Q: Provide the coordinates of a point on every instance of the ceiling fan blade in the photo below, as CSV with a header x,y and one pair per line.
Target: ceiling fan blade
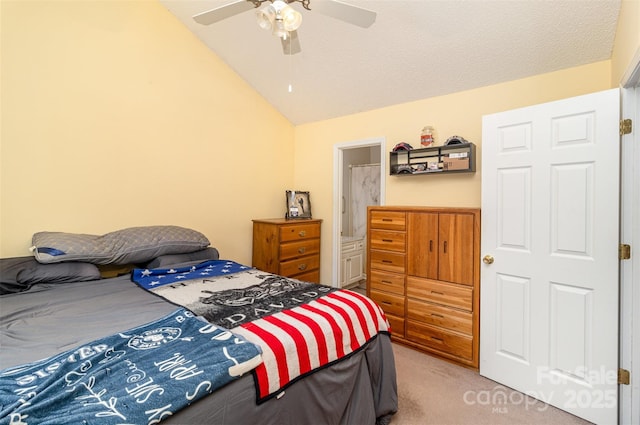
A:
x,y
223,12
291,45
345,12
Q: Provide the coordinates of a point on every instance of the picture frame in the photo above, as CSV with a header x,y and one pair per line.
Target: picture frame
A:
x,y
298,204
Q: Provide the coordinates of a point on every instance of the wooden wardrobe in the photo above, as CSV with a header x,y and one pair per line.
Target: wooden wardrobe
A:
x,y
423,269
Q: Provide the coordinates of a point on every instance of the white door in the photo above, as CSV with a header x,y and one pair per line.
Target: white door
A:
x,y
549,299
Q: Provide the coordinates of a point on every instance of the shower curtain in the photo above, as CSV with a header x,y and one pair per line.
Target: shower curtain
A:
x,y
364,191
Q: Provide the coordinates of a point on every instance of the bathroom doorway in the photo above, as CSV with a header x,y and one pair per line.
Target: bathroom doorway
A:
x,y
359,181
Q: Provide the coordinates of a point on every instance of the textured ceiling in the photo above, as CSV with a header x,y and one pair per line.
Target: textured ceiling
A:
x,y
415,49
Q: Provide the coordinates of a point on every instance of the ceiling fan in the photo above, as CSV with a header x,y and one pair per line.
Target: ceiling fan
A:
x,y
284,21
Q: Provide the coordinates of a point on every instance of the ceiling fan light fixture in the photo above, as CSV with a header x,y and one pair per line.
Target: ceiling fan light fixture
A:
x,y
266,17
291,18
280,18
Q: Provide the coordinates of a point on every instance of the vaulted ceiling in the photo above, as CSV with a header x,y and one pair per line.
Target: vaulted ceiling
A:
x,y
415,49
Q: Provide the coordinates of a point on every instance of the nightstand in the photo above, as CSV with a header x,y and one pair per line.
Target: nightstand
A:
x,y
288,247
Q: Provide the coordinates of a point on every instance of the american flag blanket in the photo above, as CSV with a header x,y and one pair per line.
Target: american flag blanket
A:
x,y
300,326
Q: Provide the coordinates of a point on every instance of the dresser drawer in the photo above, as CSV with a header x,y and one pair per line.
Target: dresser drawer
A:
x,y
296,232
299,265
457,296
313,276
388,240
437,315
391,304
448,342
397,325
388,282
297,249
389,220
389,261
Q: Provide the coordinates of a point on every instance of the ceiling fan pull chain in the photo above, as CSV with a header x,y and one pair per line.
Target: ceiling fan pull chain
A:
x,y
290,68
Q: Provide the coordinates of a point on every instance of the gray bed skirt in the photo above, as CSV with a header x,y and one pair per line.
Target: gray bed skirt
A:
x,y
358,390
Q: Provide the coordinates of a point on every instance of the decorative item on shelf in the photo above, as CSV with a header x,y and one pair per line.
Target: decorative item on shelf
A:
x,y
456,160
434,166
298,204
402,146
426,137
404,169
455,140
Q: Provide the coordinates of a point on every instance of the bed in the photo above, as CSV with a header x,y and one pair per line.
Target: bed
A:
x,y
56,311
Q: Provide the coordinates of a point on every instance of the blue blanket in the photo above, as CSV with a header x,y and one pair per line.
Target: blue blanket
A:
x,y
140,376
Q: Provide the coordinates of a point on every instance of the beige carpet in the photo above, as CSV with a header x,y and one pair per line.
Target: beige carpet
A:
x,y
434,391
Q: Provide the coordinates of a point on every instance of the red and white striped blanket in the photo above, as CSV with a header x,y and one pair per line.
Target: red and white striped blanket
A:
x,y
300,326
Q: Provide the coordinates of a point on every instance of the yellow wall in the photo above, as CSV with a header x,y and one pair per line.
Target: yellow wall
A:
x,y
627,42
456,114
115,115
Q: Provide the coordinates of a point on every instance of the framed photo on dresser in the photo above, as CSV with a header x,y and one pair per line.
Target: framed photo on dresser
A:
x,y
298,204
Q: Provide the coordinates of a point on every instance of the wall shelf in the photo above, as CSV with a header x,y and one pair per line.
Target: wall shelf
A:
x,y
460,158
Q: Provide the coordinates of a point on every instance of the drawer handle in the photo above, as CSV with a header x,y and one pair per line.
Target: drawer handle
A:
x,y
437,315
302,250
386,302
438,340
302,267
431,245
437,292
386,282
302,233
387,261
387,219
445,246
387,240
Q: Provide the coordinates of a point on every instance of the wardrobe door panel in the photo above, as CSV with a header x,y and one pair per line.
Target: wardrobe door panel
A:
x,y
455,249
422,246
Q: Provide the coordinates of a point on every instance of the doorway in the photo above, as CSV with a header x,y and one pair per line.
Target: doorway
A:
x,y
358,182
630,234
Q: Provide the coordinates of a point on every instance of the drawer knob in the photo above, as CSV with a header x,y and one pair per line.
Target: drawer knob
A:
x,y
488,259
302,250
302,233
302,266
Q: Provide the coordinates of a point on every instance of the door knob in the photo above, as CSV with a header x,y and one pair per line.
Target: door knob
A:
x,y
487,259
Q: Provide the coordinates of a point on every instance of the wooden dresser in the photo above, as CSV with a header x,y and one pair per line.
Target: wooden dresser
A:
x,y
423,269
288,247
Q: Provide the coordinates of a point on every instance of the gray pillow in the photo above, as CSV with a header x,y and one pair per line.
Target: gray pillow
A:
x,y
19,273
169,260
132,245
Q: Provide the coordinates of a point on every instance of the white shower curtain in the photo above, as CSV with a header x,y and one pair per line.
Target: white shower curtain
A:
x,y
364,191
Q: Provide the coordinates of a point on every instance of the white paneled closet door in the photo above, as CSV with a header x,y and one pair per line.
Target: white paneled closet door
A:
x,y
550,207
